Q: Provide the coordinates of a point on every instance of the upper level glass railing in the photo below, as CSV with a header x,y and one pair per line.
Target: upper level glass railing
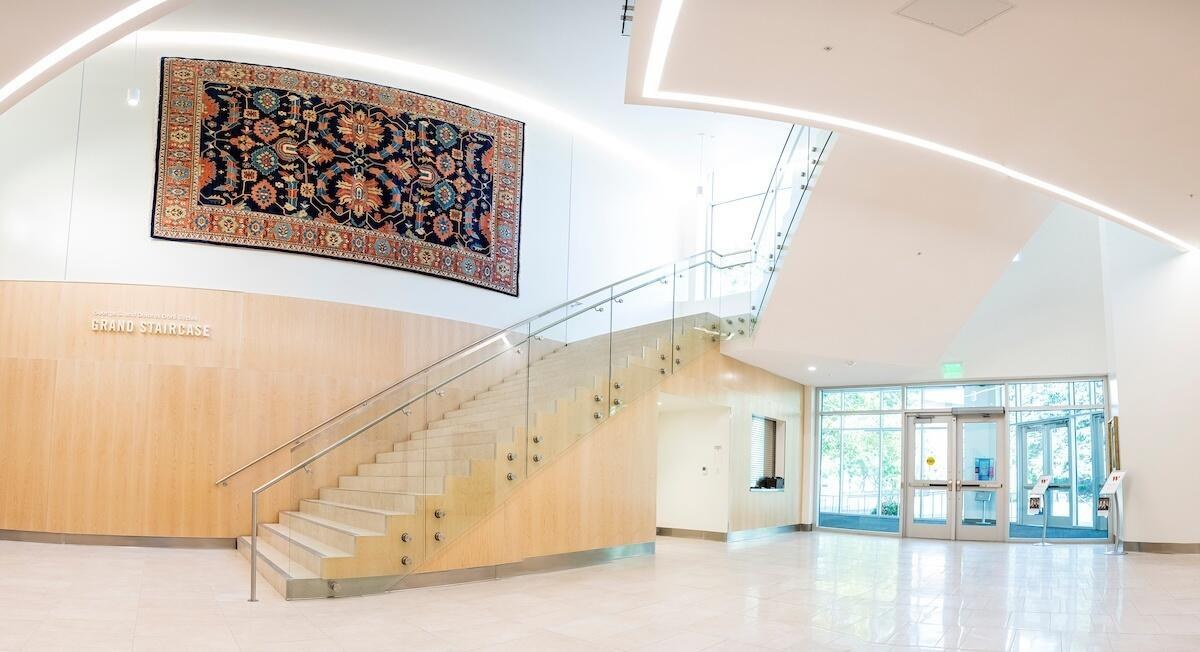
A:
x,y
392,486
783,204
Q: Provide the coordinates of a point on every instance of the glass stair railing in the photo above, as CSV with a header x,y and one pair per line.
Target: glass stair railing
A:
x,y
378,492
783,204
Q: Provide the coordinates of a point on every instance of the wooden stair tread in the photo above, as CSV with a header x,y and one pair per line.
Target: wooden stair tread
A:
x,y
278,560
315,546
360,508
335,525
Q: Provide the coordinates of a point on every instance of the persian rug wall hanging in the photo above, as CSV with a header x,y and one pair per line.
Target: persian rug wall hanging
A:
x,y
275,158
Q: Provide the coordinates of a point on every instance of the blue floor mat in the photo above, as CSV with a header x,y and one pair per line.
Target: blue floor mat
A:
x,y
892,524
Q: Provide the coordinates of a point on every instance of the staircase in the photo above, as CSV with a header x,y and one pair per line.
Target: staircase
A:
x,y
375,494
366,532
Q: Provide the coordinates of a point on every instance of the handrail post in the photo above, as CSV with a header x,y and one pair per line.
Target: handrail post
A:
x,y
254,546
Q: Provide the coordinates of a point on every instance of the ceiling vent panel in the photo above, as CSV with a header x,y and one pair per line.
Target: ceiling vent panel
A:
x,y
958,16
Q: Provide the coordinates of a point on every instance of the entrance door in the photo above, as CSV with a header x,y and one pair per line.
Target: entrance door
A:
x,y
929,477
1069,450
982,501
954,476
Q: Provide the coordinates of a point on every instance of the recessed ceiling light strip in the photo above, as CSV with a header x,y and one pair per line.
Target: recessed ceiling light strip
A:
x,y
81,41
664,30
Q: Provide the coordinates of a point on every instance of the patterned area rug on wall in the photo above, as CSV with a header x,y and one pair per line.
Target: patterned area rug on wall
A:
x,y
274,158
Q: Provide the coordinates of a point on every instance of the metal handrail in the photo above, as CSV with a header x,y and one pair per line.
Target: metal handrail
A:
x,y
429,390
300,439
771,182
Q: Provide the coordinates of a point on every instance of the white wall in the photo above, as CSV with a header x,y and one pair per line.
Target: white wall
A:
x,y
693,466
1153,298
1045,314
600,201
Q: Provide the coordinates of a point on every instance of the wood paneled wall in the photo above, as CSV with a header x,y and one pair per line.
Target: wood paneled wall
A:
x,y
125,434
598,494
601,492
748,391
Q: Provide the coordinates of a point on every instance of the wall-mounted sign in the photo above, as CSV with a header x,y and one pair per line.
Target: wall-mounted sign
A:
x,y
144,323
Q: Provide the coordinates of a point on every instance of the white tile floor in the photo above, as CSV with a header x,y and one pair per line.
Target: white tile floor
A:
x,y
815,591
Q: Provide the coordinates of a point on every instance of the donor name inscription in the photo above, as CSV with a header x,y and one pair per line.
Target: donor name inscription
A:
x,y
140,323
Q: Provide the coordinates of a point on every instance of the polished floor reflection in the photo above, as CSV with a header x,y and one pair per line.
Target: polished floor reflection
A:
x,y
804,591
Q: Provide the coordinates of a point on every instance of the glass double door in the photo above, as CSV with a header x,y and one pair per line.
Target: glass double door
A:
x,y
1069,449
954,476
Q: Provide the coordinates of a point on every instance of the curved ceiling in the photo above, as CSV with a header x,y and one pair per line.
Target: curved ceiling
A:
x,y
1096,98
42,39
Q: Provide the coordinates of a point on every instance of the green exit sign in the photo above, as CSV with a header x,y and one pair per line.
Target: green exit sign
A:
x,y
952,370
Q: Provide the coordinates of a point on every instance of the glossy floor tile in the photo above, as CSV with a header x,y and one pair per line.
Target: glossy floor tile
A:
x,y
802,591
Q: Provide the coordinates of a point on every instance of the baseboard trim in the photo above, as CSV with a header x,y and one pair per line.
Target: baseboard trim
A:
x,y
805,527
358,586
758,533
29,536
1163,548
685,533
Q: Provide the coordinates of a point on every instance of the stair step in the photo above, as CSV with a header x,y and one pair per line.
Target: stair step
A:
x,y
440,453
300,549
544,401
519,403
415,485
494,419
539,393
341,527
391,501
274,564
364,517
417,468
443,440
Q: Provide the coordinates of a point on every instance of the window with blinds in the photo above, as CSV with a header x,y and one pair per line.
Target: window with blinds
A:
x,y
763,449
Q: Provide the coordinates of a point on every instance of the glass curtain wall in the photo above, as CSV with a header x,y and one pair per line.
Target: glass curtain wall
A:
x,y
860,458
1056,428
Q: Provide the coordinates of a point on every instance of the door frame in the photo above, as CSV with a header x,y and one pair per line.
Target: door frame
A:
x,y
952,530
999,486
1096,423
910,485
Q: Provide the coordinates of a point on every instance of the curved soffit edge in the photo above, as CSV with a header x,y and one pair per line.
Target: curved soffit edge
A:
x,y
665,15
93,39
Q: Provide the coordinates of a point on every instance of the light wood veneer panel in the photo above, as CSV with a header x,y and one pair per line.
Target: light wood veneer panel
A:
x,y
597,494
601,492
125,434
27,471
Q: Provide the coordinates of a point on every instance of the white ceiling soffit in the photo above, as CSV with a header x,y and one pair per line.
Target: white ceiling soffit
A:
x,y
894,253
41,39
955,16
1091,101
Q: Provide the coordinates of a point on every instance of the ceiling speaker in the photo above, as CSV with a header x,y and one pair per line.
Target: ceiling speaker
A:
x,y
958,16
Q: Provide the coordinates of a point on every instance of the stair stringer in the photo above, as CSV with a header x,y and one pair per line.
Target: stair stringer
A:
x,y
599,493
